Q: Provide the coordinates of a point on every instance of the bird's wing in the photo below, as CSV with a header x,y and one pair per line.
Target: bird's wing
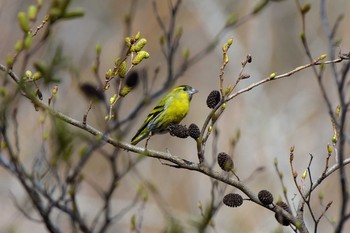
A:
x,y
143,132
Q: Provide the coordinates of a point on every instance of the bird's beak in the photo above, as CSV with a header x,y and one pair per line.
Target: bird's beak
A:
x,y
193,91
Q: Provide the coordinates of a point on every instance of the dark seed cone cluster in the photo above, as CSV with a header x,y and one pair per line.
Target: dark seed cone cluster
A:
x,y
194,131
265,197
279,217
225,162
233,200
132,79
177,130
213,99
92,92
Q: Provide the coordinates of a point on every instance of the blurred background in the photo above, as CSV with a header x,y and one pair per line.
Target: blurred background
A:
x,y
271,118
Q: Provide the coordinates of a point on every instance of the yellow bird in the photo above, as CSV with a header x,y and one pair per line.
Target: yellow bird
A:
x,y
170,110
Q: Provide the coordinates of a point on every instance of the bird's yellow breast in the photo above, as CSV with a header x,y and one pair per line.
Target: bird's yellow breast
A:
x,y
177,107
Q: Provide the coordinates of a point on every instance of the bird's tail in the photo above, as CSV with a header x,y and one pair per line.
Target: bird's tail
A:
x,y
138,137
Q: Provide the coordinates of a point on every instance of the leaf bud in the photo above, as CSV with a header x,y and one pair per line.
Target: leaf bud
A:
x,y
28,74
73,14
125,90
109,74
185,53
19,45
23,21
28,40
121,70
305,8
323,56
128,41
139,57
137,36
9,60
139,45
32,12
113,99
37,76
304,175
98,49
334,138
329,149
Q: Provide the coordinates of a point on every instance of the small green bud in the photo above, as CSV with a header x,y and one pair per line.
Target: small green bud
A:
x,y
230,42
185,53
39,3
74,14
113,99
279,199
137,36
23,21
161,40
226,59
28,40
272,75
139,57
32,12
210,128
36,76
128,41
121,71
125,90
298,225
224,47
302,35
228,90
117,61
323,56
54,90
94,68
334,139
337,111
304,9
109,74
329,149
304,175
28,74
19,45
199,205
9,60
98,49
139,45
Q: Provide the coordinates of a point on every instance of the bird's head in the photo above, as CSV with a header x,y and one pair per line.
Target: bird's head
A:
x,y
190,90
